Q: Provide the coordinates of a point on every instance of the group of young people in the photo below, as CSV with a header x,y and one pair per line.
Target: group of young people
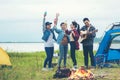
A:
x,y
66,37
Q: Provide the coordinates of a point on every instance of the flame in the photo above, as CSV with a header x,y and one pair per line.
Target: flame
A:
x,y
81,73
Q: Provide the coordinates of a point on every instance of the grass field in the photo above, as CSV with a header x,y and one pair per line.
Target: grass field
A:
x,y
27,66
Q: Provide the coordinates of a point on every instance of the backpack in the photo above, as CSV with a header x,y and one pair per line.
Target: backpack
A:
x,y
62,73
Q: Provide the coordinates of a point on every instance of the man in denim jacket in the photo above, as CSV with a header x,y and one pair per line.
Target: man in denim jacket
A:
x,y
62,40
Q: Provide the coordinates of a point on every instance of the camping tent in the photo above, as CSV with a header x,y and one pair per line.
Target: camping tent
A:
x,y
4,58
109,47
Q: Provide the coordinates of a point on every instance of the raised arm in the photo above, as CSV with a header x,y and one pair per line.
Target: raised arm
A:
x,y
56,19
55,24
44,28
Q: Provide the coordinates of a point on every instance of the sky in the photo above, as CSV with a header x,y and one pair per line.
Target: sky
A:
x,y
21,20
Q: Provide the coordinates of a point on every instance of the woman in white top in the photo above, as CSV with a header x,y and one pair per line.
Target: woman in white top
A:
x,y
48,37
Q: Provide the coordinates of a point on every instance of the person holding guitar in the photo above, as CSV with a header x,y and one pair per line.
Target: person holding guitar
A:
x,y
88,33
48,37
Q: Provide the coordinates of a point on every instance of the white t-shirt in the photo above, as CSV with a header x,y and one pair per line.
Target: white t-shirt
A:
x,y
50,42
71,37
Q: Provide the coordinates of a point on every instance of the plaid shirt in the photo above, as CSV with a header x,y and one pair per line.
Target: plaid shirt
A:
x,y
76,37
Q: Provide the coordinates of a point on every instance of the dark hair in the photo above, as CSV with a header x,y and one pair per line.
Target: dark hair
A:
x,y
77,26
85,19
62,23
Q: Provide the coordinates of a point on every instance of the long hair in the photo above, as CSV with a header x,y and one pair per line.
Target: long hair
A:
x,y
77,26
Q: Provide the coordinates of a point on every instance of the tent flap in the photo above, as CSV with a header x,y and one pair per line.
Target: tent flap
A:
x,y
4,58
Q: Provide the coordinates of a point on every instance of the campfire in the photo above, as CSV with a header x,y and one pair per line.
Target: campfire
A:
x,y
81,74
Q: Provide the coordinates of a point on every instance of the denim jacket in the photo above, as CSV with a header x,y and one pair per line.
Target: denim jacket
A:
x,y
90,38
46,32
61,34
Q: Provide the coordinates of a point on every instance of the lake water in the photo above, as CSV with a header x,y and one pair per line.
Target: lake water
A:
x,y
30,47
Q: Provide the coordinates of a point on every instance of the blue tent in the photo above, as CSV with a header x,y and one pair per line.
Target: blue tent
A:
x,y
109,47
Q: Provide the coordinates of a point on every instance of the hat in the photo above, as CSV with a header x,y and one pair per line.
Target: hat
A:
x,y
47,23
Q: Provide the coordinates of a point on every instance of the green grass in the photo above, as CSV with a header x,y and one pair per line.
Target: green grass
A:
x,y
27,66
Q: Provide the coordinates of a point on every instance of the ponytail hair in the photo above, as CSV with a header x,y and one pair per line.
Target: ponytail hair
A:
x,y
77,26
78,29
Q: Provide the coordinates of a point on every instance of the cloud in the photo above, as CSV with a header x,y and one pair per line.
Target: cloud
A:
x,y
31,9
20,15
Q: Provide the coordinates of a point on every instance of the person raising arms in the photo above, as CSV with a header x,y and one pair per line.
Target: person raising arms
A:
x,y
62,40
48,37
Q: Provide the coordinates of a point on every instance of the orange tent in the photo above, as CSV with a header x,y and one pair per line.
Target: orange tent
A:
x,y
4,58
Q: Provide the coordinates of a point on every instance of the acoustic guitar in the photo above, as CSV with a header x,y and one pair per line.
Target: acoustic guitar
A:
x,y
83,34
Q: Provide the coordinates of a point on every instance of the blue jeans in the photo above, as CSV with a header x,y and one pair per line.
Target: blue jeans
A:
x,y
62,54
49,52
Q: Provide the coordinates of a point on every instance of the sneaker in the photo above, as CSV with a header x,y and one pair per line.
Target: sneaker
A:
x,y
74,67
86,67
64,67
44,69
50,68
